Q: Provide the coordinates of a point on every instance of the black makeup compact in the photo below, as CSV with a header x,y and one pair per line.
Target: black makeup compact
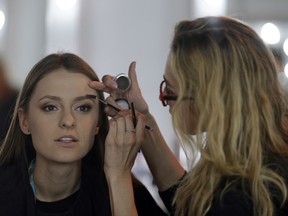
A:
x,y
123,82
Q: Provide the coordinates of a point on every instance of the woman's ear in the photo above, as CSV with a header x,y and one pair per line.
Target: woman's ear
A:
x,y
22,116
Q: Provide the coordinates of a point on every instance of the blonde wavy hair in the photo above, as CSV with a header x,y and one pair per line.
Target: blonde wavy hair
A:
x,y
231,75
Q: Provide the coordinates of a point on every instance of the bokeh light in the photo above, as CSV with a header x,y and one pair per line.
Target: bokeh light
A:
x,y
214,2
2,19
65,4
270,33
286,70
285,46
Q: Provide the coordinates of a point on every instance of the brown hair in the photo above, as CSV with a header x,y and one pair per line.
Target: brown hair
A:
x,y
16,143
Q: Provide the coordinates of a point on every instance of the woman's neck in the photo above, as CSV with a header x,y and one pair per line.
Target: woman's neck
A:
x,y
56,181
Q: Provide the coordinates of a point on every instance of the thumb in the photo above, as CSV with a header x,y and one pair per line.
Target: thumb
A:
x,y
132,72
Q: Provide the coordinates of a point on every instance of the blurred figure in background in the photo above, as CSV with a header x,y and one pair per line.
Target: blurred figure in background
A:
x,y
8,95
280,59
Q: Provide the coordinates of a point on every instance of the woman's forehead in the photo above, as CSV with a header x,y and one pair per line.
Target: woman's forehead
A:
x,y
63,82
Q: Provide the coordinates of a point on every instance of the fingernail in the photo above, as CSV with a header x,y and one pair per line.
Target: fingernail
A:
x,y
134,65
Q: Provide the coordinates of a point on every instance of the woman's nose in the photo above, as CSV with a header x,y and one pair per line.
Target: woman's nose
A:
x,y
67,120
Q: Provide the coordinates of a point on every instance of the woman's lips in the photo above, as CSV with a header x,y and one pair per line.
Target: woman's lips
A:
x,y
67,141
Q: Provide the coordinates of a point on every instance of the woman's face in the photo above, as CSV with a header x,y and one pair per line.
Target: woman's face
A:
x,y
172,88
171,84
60,119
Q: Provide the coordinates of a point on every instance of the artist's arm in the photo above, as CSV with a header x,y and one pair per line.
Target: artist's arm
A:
x,y
163,165
121,147
121,194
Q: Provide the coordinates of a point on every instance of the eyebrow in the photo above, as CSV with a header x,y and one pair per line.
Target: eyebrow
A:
x,y
51,97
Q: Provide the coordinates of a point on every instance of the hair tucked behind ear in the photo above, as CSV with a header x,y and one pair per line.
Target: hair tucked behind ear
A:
x,y
227,69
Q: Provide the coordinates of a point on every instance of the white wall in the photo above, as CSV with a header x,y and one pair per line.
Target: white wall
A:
x,y
24,36
109,34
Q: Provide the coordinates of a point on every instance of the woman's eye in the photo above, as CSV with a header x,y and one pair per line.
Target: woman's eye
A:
x,y
169,91
84,108
49,108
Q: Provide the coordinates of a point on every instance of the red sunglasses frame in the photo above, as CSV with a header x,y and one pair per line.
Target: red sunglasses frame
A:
x,y
165,98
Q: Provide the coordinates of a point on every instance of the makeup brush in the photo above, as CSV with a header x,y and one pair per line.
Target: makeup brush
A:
x,y
117,109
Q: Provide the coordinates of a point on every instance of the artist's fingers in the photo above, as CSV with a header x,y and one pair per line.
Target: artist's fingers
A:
x,y
125,135
99,86
112,133
109,82
109,110
132,73
121,126
140,130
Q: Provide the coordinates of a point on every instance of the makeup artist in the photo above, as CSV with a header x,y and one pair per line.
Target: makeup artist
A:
x,y
220,79
77,169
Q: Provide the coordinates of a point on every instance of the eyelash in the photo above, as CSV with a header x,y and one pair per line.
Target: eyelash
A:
x,y
86,107
83,108
47,108
169,91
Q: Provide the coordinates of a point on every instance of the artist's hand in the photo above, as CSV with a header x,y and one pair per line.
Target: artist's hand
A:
x,y
121,147
134,94
122,143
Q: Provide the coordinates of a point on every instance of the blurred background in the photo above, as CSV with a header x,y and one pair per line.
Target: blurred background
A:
x,y
109,34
